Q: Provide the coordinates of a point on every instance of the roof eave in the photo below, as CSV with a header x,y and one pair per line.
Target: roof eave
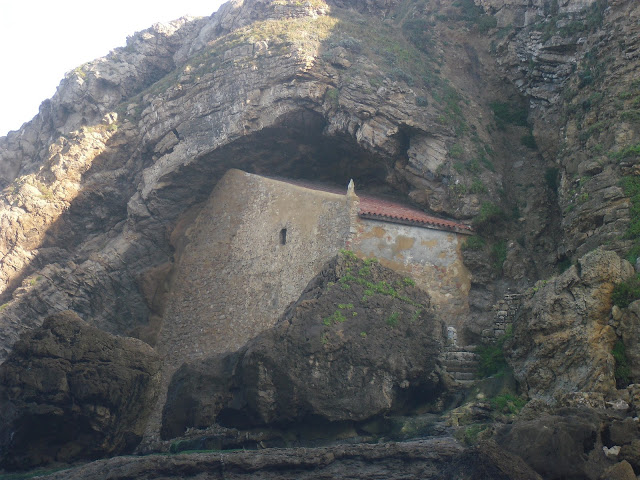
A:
x,y
462,229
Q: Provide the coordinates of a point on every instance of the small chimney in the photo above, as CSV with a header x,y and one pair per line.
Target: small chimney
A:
x,y
351,189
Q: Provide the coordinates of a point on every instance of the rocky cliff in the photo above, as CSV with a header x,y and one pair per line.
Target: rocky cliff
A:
x,y
131,143
520,117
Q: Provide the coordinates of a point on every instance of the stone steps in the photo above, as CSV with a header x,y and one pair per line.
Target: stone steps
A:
x,y
461,363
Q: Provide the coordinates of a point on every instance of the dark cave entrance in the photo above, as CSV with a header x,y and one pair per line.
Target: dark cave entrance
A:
x,y
297,148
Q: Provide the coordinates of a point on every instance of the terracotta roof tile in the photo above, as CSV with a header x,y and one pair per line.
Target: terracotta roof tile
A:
x,y
386,210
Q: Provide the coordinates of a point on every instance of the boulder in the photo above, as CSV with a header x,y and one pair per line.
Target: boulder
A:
x,y
631,453
619,471
361,341
562,339
70,391
560,445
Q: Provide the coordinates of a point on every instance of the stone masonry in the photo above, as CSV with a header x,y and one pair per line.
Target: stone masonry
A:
x,y
461,361
255,245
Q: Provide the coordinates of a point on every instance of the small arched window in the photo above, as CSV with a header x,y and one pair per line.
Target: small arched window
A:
x,y
283,236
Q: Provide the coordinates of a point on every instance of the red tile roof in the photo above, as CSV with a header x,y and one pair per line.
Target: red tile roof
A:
x,y
387,210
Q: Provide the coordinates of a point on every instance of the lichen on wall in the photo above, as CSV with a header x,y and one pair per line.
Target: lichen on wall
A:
x,y
430,257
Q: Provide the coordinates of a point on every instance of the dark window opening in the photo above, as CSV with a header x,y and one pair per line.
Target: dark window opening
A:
x,y
283,236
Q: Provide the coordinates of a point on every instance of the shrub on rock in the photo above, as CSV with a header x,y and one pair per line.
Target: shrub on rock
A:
x,y
360,341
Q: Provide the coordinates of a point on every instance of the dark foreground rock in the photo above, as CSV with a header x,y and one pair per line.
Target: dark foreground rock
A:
x,y
361,341
425,459
69,391
572,443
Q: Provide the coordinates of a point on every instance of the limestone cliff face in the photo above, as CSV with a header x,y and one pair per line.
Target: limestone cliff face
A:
x,y
463,109
131,142
562,340
519,116
576,61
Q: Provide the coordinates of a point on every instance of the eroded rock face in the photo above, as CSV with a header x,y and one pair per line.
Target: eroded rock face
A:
x,y
562,337
563,445
150,129
426,459
69,391
360,341
630,332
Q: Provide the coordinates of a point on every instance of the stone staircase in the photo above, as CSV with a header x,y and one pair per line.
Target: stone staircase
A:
x,y
461,362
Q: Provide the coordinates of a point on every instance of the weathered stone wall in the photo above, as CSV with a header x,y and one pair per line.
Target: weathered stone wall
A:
x,y
431,257
505,312
256,244
234,276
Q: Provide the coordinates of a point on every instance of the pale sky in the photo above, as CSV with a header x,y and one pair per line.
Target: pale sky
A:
x,y
41,40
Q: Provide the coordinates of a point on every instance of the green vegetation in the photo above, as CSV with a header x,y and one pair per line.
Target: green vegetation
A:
x,y
592,69
509,114
488,164
508,403
628,152
571,26
364,271
490,214
336,317
468,9
474,243
631,188
372,288
564,265
458,189
486,23
474,15
449,98
551,175
418,32
348,254
477,186
630,116
622,369
499,254
392,321
626,292
79,71
539,284
456,151
492,359
409,282
472,432
333,96
45,191
529,141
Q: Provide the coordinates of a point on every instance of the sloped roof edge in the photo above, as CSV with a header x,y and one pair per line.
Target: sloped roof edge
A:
x,y
375,208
